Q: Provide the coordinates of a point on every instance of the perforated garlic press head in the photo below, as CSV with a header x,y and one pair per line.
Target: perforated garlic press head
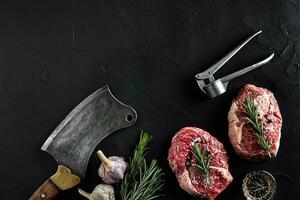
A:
x,y
212,87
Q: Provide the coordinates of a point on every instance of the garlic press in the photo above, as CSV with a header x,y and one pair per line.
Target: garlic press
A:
x,y
212,87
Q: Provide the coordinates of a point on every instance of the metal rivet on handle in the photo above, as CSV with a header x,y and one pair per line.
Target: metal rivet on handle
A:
x,y
43,196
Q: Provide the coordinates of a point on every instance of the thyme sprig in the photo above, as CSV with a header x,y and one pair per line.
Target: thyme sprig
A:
x,y
257,124
142,181
203,163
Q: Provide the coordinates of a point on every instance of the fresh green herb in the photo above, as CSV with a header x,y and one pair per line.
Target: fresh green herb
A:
x,y
257,124
203,163
142,181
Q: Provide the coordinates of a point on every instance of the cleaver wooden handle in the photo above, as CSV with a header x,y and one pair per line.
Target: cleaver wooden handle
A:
x,y
63,179
46,191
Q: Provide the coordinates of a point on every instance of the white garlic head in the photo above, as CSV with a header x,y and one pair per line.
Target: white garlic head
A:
x,y
112,169
101,192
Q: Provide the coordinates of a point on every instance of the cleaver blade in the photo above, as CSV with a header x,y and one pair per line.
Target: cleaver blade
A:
x,y
75,138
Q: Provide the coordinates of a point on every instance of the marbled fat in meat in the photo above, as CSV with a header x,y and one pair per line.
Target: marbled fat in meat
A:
x,y
241,133
182,162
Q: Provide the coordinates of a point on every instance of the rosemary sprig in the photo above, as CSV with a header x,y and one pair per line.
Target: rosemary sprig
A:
x,y
142,181
203,163
257,124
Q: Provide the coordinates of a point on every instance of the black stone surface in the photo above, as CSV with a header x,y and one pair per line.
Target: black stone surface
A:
x,y
54,53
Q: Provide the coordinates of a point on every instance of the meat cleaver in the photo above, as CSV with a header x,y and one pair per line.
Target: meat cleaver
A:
x,y
74,139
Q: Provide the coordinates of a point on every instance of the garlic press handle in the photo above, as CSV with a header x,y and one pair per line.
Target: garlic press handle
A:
x,y
229,77
210,71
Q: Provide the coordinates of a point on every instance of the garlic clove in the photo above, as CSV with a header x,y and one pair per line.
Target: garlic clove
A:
x,y
84,193
101,192
104,159
112,169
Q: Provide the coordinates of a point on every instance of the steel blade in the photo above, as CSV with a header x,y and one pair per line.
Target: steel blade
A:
x,y
75,138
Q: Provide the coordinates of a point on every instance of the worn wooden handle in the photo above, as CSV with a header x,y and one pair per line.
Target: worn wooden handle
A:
x,y
63,179
47,191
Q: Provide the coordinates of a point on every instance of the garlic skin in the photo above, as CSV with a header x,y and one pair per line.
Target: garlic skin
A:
x,y
101,192
112,169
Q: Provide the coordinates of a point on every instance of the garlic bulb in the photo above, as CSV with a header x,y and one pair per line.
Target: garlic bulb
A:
x,y
112,169
101,192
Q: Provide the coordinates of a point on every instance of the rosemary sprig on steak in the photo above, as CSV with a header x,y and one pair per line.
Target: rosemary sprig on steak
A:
x,y
143,181
203,163
257,124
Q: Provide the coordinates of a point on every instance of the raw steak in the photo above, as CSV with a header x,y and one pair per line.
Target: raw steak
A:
x,y
241,133
182,161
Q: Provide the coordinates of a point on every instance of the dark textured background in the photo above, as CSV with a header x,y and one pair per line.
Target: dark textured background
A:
x,y
55,53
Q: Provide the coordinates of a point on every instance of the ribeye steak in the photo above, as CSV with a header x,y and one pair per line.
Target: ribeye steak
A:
x,y
183,163
242,134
